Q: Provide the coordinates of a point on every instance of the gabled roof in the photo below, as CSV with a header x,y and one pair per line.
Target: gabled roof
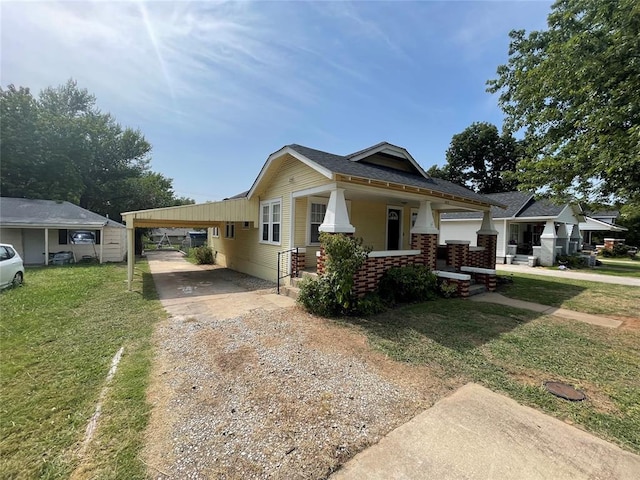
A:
x,y
329,163
519,205
49,213
604,213
386,149
591,223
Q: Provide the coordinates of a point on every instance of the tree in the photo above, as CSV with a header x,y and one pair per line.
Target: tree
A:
x,y
482,159
574,90
61,146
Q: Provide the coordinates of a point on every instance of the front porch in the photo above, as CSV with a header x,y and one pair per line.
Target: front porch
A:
x,y
401,230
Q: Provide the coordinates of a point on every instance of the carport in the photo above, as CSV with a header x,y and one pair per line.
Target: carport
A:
x,y
208,215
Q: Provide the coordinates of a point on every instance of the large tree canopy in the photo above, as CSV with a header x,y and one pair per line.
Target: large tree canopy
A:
x,y
574,90
482,159
60,146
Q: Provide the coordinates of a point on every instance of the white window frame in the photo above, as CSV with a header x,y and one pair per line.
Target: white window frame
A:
x,y
230,230
270,222
215,232
320,201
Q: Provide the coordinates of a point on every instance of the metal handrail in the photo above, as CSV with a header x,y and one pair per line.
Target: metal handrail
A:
x,y
293,268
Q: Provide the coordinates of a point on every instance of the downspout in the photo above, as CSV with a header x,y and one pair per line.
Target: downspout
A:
x,y
131,252
101,242
46,246
505,242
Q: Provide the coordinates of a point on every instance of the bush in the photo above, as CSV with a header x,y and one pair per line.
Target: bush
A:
x,y
332,294
617,251
414,283
572,261
447,289
370,304
317,297
203,255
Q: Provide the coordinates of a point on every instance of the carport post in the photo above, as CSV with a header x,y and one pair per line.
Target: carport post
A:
x,y
131,254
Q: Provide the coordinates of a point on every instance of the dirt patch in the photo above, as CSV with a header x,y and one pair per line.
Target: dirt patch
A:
x,y
628,323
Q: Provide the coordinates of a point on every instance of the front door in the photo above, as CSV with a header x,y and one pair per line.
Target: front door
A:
x,y
394,228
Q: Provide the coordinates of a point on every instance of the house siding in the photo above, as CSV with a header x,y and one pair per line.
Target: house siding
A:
x,y
245,253
13,236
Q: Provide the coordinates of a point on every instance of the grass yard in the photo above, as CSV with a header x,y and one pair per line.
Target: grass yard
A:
x,y
617,267
59,333
578,295
514,352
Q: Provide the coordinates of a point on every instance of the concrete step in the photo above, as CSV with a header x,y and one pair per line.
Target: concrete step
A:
x,y
289,291
477,289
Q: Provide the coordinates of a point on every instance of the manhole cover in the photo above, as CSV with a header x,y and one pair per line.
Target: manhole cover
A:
x,y
565,391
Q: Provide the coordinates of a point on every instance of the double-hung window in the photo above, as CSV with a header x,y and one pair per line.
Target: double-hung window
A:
x,y
230,230
270,221
316,217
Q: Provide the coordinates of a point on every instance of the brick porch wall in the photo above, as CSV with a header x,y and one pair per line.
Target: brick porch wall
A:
x,y
367,278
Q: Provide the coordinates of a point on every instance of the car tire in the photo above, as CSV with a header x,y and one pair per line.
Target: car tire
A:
x,y
17,279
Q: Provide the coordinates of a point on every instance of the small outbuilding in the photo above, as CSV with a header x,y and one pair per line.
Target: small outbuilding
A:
x,y
39,229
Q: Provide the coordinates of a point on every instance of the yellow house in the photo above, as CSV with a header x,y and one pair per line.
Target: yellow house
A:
x,y
380,194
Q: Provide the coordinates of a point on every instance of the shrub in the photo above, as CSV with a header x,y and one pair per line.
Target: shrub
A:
x,y
447,289
617,251
572,261
317,297
414,283
332,294
370,304
203,255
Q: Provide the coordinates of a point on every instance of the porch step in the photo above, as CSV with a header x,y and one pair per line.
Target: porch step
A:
x,y
477,289
289,291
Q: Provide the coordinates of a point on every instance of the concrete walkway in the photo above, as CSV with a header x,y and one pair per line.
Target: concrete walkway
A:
x,y
492,297
478,434
190,290
573,274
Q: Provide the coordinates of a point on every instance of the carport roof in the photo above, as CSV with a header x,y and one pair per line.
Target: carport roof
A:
x,y
16,212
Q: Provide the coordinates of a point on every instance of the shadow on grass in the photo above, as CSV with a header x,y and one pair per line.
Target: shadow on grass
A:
x,y
537,289
460,325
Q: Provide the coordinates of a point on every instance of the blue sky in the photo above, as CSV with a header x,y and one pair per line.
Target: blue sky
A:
x,y
216,87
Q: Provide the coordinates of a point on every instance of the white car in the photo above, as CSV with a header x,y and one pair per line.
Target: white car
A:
x,y
11,266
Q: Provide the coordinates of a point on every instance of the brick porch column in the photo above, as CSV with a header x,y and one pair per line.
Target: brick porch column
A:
x,y
424,235
487,237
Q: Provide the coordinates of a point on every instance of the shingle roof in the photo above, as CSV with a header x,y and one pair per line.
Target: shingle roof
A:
x,y
239,195
519,205
24,211
342,165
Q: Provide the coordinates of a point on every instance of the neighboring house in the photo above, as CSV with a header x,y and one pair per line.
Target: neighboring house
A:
x,y
526,227
598,225
380,194
40,228
175,235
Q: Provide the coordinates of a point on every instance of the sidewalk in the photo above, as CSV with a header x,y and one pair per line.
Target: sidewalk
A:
x,y
478,434
575,275
492,297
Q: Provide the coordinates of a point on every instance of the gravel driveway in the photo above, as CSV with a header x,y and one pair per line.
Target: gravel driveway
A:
x,y
268,392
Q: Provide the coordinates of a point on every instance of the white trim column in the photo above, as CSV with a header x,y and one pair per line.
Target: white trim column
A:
x,y
336,218
575,241
487,227
46,246
131,255
563,238
424,220
101,243
548,244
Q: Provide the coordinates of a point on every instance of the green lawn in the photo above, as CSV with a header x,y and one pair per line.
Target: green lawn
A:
x,y
60,332
578,295
513,352
619,267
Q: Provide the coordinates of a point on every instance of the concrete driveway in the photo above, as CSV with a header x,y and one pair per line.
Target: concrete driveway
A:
x,y
190,290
